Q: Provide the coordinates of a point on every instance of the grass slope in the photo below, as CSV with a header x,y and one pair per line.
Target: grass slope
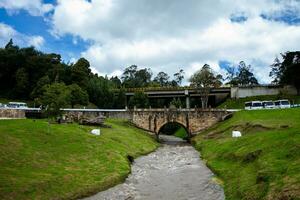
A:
x,y
65,161
181,133
240,103
264,163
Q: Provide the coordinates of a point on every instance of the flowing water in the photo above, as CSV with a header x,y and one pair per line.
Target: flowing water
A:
x,y
174,171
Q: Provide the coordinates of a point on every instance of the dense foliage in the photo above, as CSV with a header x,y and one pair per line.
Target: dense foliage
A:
x,y
28,74
287,71
241,75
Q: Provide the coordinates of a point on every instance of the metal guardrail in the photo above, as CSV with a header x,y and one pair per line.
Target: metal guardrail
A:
x,y
145,110
92,110
26,109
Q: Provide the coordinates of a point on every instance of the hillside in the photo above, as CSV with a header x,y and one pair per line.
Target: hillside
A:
x,y
41,161
264,163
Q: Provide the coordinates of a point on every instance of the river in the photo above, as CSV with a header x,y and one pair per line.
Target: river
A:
x,y
174,171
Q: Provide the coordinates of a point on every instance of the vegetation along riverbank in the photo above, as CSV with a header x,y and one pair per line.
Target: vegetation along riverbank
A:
x,y
50,161
264,163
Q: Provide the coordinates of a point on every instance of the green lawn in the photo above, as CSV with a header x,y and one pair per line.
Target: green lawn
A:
x,y
38,161
264,163
240,103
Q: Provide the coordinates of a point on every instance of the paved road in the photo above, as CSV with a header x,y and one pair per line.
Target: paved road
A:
x,y
172,172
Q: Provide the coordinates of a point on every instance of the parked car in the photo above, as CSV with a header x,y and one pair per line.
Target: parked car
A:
x,y
268,104
253,105
17,105
284,103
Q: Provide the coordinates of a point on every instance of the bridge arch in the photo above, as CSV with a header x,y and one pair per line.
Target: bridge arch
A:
x,y
172,126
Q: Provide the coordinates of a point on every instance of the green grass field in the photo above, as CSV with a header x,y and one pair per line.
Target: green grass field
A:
x,y
41,161
240,103
264,163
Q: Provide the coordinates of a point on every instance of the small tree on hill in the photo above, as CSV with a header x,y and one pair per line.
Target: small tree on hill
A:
x,y
203,80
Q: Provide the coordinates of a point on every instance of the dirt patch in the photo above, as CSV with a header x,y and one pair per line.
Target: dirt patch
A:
x,y
246,128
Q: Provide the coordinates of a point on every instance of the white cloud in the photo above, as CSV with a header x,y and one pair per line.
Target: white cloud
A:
x,y
7,32
169,35
34,7
36,41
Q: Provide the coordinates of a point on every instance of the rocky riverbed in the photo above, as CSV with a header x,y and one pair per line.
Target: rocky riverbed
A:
x,y
174,171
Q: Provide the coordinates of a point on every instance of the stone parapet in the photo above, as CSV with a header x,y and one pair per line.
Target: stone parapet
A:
x,y
11,113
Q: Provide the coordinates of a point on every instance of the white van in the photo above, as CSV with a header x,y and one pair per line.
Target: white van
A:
x,y
268,104
253,105
284,103
17,105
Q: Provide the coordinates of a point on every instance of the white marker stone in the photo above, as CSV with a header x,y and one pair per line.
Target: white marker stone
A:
x,y
236,134
95,132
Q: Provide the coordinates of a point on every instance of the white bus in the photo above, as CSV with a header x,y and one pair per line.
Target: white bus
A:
x,y
17,105
284,103
268,104
253,105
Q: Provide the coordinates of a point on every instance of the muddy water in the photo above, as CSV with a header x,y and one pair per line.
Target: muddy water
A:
x,y
174,171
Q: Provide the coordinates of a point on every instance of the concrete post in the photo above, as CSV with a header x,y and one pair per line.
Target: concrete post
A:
x,y
187,102
187,99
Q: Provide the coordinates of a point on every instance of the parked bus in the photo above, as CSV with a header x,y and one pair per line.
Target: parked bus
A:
x,y
284,103
17,105
268,104
253,105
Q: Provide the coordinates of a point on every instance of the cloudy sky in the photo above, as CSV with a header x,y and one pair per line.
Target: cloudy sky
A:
x,y
163,35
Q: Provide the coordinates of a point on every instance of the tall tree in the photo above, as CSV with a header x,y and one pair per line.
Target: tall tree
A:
x,y
22,83
133,78
179,76
78,95
100,93
287,71
116,81
241,75
80,73
162,78
245,75
203,80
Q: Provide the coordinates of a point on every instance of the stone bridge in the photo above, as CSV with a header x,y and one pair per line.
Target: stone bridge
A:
x,y
193,120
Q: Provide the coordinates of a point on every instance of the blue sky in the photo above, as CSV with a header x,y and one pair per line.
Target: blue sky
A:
x,y
27,24
162,35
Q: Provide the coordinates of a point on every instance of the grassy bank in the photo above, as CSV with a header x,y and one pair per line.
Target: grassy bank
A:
x,y
181,133
38,161
240,103
264,163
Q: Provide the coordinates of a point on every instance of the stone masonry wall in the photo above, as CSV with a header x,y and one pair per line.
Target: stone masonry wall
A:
x,y
12,113
194,121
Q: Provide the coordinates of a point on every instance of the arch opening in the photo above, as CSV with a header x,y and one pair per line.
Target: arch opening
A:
x,y
174,129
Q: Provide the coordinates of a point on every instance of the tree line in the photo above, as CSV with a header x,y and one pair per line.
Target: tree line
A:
x,y
29,74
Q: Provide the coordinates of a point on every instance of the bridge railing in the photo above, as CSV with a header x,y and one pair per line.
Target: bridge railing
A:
x,y
148,110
